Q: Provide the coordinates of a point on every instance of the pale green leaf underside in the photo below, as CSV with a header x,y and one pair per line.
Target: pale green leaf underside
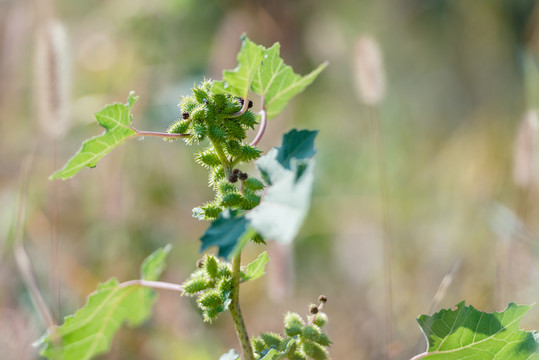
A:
x,y
231,355
289,171
466,333
278,83
256,268
238,81
116,119
90,330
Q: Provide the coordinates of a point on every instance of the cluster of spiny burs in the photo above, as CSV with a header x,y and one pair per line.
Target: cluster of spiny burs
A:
x,y
212,285
219,119
302,340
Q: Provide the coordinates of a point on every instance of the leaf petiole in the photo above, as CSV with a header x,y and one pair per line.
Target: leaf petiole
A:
x,y
161,285
262,128
159,134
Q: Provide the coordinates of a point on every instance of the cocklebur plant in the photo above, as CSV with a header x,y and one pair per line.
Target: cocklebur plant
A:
x,y
247,207
217,116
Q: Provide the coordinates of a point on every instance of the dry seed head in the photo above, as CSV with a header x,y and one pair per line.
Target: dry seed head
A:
x,y
52,78
526,159
243,176
313,309
369,69
323,299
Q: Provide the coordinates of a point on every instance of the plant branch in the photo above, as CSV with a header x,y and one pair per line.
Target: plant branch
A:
x,y
159,134
235,310
227,165
242,110
23,261
153,284
387,243
262,128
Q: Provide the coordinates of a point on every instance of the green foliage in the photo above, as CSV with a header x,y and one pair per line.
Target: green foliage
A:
x,y
216,116
90,331
116,119
289,172
468,333
265,73
255,269
225,233
278,83
238,81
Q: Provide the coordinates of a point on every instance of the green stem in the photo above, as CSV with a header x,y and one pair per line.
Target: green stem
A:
x,y
222,156
235,310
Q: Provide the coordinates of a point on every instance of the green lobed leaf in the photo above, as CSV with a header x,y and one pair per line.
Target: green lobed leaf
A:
x,y
466,333
90,330
227,232
116,119
289,171
278,83
256,268
237,81
296,145
154,265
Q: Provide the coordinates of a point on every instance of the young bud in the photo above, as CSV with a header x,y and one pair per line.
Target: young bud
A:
x,y
311,333
258,344
195,285
233,178
370,74
243,176
185,115
313,309
211,266
297,355
200,263
323,299
232,199
236,172
272,339
211,299
315,351
321,319
293,324
324,340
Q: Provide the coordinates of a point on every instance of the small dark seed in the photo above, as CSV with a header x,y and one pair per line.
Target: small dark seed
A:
x,y
323,298
185,115
313,309
235,172
243,176
233,178
250,104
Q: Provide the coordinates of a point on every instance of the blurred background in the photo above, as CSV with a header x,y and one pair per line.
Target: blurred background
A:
x,y
458,143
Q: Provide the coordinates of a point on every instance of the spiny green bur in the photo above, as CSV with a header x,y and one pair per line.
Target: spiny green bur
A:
x,y
211,284
301,340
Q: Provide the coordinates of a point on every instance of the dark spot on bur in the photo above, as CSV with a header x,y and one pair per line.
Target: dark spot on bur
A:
x,y
185,115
